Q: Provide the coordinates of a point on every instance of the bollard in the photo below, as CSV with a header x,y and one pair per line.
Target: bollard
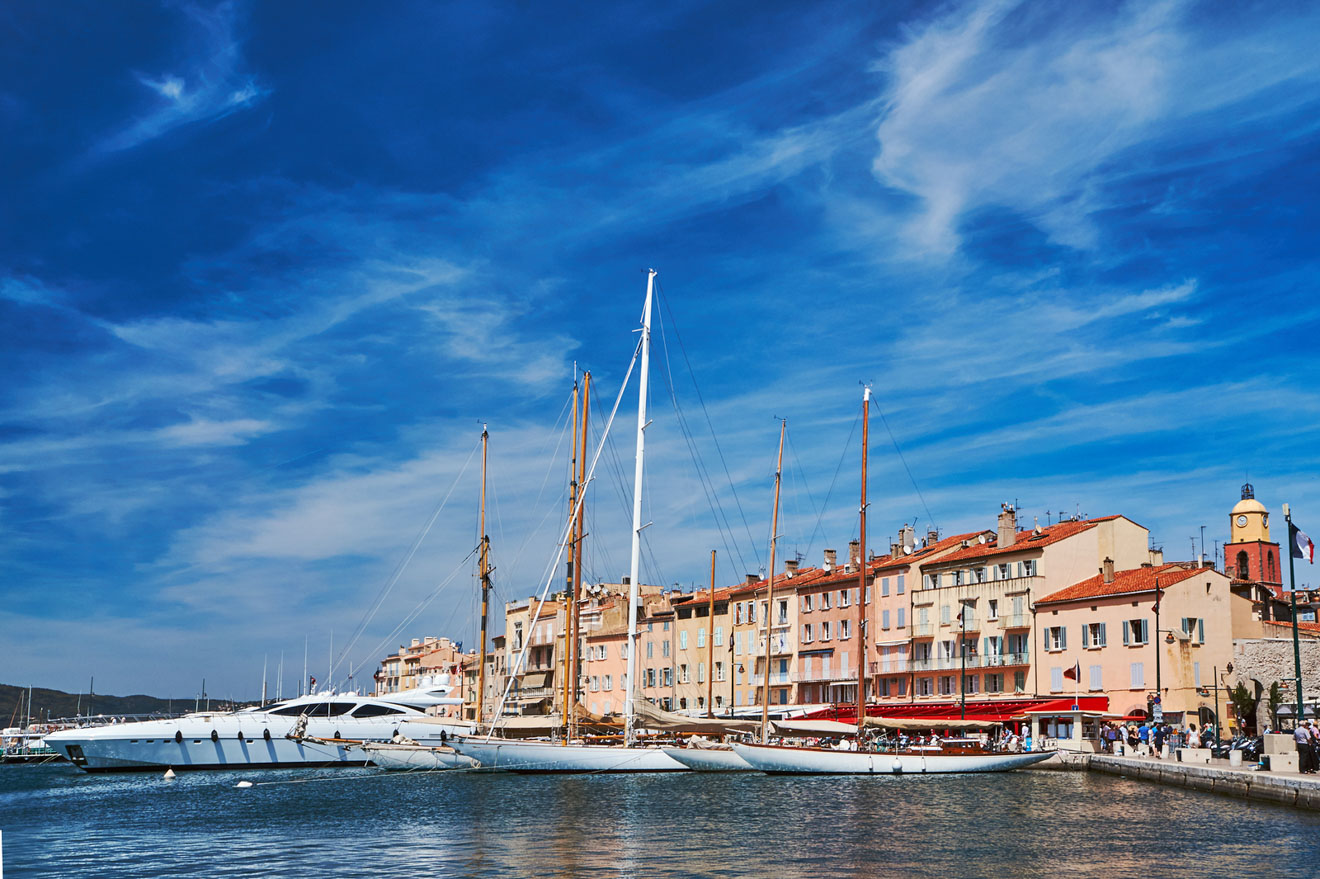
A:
x,y
1235,757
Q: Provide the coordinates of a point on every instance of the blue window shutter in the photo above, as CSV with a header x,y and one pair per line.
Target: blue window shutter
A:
x,y
1127,633
1086,637
1063,637
1200,631
1103,638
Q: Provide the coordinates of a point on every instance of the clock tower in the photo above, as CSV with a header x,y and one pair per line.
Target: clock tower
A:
x,y
1250,554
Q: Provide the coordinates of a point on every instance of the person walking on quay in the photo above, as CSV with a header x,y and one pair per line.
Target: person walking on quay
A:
x,y
1143,733
1158,737
1305,753
1315,747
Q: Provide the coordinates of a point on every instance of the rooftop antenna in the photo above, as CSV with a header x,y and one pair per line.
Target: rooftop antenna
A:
x,y
1048,522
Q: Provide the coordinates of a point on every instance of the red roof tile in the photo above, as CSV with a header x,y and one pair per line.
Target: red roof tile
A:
x,y
1026,540
1126,582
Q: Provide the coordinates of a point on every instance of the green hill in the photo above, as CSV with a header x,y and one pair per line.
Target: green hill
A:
x,y
54,703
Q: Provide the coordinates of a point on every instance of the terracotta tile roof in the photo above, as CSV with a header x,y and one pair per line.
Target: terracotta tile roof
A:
x,y
1126,582
1025,540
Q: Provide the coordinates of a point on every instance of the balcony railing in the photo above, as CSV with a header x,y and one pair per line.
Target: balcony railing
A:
x,y
953,663
828,674
1015,621
923,630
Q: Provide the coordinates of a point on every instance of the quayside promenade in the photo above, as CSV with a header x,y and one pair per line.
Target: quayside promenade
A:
x,y
1282,787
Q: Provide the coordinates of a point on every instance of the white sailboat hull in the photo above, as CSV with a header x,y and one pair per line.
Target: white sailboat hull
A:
x,y
387,755
709,759
778,759
527,756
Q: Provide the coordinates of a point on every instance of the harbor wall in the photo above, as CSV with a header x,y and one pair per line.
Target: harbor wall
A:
x,y
1285,790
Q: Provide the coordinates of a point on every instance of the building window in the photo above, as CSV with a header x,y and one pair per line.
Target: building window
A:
x,y
719,671
1093,636
650,650
1243,568
609,682
844,600
825,630
783,613
1005,571
884,619
668,677
1056,638
806,633
1136,632
923,687
701,637
824,601
682,640
901,583
845,629
884,591
806,603
683,673
664,648
970,683
1097,678
992,610
944,614
650,677
946,685
1194,629
1030,568
994,683
957,577
902,612
1138,672
719,636
1019,682
682,704
701,672
1056,679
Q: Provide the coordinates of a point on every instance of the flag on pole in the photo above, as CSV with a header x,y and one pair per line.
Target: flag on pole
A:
x,y
1302,547
1074,673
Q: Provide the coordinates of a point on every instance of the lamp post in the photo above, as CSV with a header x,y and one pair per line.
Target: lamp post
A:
x,y
1159,685
962,650
1292,581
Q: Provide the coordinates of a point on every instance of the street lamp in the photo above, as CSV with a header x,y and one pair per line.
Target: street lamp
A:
x,y
1159,689
1219,723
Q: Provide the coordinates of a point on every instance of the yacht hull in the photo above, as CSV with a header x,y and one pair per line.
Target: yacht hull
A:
x,y
782,760
526,756
709,759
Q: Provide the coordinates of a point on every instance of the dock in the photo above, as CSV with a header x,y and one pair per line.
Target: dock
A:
x,y
1284,788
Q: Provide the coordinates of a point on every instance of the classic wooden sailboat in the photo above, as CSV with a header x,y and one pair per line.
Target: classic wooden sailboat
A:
x,y
567,756
789,760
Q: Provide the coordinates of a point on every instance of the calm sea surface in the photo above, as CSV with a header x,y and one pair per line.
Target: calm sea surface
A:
x,y
360,822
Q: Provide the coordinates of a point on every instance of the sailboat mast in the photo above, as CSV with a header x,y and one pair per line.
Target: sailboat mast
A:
x,y
710,643
575,670
634,570
770,592
483,569
861,576
572,559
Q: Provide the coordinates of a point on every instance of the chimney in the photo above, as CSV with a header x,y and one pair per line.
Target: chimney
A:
x,y
753,579
1108,570
895,550
831,560
932,536
790,567
1007,526
855,553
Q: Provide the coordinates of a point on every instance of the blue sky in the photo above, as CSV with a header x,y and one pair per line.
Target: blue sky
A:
x,y
265,269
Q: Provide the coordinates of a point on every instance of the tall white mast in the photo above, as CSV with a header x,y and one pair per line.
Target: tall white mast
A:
x,y
635,569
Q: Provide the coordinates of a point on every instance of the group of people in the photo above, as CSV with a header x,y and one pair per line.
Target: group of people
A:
x,y
1154,736
1307,737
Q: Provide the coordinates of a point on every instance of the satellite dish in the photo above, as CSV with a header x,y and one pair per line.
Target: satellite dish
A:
x,y
980,538
907,550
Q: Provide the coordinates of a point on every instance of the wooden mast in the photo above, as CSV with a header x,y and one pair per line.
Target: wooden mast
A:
x,y
770,591
861,576
483,566
572,559
575,652
710,643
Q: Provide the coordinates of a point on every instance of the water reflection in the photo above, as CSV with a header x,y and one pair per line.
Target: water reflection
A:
x,y
361,822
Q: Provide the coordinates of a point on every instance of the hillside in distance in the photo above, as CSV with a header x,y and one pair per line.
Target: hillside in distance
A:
x,y
57,704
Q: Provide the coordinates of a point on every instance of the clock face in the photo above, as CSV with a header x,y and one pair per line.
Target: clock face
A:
x,y
1265,518
1242,521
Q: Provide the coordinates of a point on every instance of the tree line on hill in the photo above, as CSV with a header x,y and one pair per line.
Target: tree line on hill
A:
x,y
56,704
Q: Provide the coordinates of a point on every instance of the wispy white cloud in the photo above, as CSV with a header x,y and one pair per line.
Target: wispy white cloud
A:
x,y
1007,105
212,83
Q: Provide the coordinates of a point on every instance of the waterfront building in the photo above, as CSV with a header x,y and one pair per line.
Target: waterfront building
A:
x,y
541,628
702,650
418,664
1155,630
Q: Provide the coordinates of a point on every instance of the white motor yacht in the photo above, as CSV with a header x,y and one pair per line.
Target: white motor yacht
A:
x,y
314,730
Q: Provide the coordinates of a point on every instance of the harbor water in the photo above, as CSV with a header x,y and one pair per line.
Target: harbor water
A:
x,y
59,822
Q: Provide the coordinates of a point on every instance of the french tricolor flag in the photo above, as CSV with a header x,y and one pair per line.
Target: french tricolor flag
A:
x,y
1302,547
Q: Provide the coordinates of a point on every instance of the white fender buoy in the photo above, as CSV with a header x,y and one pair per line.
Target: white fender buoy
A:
x,y
169,775
244,784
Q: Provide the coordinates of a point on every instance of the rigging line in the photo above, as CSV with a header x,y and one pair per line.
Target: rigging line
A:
x,y
911,478
801,477
664,300
402,566
551,465
552,568
825,505
707,485
423,604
